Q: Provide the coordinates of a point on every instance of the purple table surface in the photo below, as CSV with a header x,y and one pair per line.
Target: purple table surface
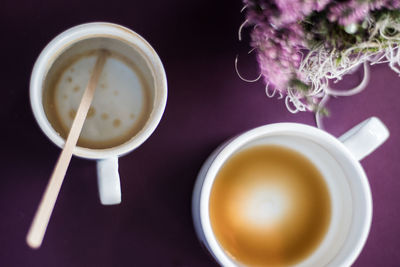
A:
x,y
207,103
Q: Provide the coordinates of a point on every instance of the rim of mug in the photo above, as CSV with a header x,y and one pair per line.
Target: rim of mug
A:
x,y
236,143
87,31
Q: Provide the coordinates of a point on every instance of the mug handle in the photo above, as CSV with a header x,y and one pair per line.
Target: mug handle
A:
x,y
365,137
108,181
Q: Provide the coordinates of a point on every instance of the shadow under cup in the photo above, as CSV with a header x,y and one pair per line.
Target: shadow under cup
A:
x,y
123,100
349,191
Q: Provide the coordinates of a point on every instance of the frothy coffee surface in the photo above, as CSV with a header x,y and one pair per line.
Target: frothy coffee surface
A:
x,y
120,105
269,206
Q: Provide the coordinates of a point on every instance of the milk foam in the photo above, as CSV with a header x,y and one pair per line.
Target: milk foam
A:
x,y
264,205
269,206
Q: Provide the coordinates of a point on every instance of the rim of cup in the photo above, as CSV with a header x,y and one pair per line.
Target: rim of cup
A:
x,y
92,30
278,128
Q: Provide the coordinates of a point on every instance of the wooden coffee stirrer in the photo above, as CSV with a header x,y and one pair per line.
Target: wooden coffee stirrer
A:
x,y
43,213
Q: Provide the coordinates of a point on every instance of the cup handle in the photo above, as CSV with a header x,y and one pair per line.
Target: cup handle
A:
x,y
364,138
108,181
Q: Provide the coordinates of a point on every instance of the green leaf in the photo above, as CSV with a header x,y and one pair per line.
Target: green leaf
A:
x,y
299,85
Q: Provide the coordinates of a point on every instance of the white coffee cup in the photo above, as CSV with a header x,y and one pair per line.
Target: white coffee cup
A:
x,y
130,45
338,161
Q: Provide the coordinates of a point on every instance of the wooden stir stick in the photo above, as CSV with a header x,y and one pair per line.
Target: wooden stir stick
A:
x,y
43,213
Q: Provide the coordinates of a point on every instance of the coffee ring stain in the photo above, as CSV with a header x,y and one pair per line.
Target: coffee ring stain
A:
x,y
116,123
72,113
91,112
104,116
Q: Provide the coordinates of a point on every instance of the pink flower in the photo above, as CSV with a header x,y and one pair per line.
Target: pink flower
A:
x,y
292,11
283,29
354,11
349,12
320,4
278,53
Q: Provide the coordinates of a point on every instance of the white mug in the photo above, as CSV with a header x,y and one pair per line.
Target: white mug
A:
x,y
337,160
132,46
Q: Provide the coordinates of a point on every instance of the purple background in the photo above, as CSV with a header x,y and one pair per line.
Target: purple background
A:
x,y
207,103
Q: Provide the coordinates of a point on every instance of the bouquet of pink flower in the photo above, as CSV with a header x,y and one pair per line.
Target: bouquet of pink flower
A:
x,y
303,44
